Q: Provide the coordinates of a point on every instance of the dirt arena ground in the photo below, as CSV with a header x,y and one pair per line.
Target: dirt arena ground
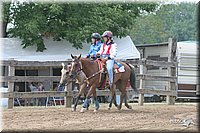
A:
x,y
150,117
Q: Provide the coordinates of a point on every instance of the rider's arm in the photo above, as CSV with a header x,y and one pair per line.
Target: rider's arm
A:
x,y
113,51
90,51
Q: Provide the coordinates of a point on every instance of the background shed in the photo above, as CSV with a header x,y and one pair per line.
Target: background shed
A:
x,y
187,70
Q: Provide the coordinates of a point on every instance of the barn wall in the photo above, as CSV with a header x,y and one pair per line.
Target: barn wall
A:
x,y
187,70
188,65
155,53
156,50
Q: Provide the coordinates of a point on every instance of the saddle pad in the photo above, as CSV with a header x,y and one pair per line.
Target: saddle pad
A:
x,y
118,67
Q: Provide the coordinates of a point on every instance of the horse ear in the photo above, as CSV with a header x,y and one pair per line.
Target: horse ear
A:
x,y
79,57
72,56
63,64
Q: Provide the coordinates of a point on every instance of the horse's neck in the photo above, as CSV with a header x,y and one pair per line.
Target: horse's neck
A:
x,y
81,77
89,67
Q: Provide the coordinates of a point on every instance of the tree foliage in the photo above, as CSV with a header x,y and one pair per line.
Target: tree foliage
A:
x,y
6,17
74,22
171,20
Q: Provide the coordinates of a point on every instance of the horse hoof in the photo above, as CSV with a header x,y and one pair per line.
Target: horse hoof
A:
x,y
129,107
73,110
95,111
83,110
118,107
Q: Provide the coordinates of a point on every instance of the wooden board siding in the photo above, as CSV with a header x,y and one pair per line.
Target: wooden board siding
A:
x,y
187,90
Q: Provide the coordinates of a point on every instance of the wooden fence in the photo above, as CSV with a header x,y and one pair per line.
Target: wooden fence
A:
x,y
170,93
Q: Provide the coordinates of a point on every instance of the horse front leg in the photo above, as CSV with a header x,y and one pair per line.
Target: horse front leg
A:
x,y
96,102
82,89
86,102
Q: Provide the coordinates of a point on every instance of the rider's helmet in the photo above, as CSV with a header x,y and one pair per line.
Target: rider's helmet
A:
x,y
107,34
96,36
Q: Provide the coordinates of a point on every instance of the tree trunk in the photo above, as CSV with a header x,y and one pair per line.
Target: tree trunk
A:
x,y
4,27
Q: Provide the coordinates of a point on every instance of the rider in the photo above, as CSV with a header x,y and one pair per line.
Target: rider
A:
x,y
108,51
95,46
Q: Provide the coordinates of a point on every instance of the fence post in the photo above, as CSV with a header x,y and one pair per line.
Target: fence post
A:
x,y
68,97
141,95
172,45
11,72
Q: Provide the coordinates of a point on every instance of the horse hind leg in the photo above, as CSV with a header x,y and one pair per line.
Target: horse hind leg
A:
x,y
126,103
113,97
123,94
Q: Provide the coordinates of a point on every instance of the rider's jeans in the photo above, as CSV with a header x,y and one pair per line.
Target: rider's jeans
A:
x,y
109,66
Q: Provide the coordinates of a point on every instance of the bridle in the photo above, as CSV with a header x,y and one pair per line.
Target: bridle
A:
x,y
79,70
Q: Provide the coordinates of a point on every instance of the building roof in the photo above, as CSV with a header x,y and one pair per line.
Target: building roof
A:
x,y
150,45
59,50
165,43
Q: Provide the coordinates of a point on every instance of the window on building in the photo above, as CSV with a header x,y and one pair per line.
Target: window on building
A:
x,y
3,73
19,73
31,72
156,58
57,71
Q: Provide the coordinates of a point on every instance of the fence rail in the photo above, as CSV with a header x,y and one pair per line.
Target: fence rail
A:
x,y
38,94
57,78
29,78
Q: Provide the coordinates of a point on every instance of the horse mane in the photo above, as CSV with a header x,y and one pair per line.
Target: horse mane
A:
x,y
86,59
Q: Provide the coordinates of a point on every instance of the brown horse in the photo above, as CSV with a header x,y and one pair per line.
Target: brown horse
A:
x,y
80,77
92,72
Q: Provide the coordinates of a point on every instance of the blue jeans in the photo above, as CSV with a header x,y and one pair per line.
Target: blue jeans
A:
x,y
110,66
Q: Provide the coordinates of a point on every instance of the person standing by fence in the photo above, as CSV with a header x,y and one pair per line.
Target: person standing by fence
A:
x,y
41,100
33,87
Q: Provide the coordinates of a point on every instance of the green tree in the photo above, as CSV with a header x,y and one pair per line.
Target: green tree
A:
x,y
72,21
170,20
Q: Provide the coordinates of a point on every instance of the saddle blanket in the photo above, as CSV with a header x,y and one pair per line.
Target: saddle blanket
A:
x,y
119,70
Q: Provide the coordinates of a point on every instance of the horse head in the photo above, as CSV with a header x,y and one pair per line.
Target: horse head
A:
x,y
75,66
65,78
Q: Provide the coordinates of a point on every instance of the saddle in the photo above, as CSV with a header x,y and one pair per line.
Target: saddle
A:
x,y
118,68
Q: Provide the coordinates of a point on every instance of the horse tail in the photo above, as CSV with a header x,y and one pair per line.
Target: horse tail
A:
x,y
132,77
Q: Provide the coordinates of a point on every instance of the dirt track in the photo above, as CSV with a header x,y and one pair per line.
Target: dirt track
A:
x,y
150,117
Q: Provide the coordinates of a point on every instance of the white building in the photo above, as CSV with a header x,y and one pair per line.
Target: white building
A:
x,y
187,70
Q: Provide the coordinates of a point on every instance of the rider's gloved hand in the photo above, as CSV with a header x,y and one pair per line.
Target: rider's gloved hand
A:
x,y
98,55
